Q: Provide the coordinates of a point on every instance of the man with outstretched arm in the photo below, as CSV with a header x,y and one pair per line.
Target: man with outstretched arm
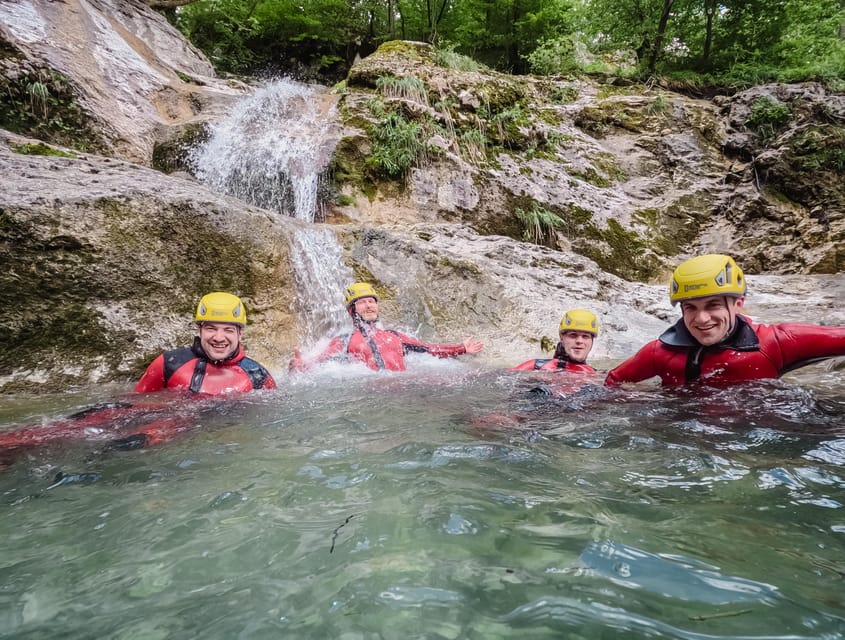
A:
x,y
373,345
714,344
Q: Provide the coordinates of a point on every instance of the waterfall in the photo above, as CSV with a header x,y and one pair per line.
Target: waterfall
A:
x,y
320,277
272,149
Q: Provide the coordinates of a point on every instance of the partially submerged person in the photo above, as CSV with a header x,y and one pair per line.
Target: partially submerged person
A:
x,y
578,329
714,343
370,343
216,362
214,365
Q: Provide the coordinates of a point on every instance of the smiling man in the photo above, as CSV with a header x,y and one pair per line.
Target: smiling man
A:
x,y
578,328
216,363
378,348
714,343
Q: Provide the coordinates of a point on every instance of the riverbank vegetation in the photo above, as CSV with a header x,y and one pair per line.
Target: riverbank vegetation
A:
x,y
698,44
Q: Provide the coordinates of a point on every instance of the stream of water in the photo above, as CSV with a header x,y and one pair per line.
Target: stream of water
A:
x,y
450,501
352,504
272,149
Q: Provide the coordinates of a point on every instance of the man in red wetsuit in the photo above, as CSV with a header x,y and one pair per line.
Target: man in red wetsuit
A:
x,y
714,344
216,363
376,347
578,329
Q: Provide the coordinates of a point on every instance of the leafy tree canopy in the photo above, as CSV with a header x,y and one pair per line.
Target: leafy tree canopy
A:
x,y
736,41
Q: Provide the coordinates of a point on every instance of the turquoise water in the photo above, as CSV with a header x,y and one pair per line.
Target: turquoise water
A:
x,y
355,506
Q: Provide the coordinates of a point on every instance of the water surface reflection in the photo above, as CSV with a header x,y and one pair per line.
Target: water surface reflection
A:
x,y
359,505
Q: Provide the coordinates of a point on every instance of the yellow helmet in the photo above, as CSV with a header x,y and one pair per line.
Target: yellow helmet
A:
x,y
221,307
359,290
713,274
580,320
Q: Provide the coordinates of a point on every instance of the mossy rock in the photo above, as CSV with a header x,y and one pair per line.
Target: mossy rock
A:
x,y
174,154
40,149
42,103
396,58
142,259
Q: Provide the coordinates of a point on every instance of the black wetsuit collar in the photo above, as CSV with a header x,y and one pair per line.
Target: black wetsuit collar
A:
x,y
562,357
741,338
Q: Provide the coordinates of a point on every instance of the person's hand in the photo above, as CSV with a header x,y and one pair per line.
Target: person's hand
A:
x,y
471,345
296,363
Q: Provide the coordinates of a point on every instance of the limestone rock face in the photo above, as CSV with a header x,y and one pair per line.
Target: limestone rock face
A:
x,y
114,70
639,177
102,259
103,263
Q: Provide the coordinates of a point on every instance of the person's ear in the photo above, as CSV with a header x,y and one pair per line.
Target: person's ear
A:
x,y
740,302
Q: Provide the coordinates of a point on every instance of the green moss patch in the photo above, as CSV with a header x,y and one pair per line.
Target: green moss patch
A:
x,y
42,104
41,149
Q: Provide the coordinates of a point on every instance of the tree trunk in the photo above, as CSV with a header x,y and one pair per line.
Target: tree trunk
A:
x,y
391,20
661,32
709,12
842,22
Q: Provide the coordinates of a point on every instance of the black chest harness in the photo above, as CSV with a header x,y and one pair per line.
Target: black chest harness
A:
x,y
346,338
173,360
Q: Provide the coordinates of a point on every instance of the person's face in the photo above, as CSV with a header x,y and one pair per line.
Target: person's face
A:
x,y
577,344
710,319
367,308
220,339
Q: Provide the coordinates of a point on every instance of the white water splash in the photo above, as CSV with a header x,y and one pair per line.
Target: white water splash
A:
x,y
272,149
320,276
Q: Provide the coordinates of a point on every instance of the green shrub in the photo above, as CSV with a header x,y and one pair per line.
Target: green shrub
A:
x,y
563,95
445,56
658,105
768,116
555,56
398,145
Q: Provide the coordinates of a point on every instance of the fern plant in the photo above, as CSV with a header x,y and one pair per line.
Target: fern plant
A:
x,y
398,145
538,224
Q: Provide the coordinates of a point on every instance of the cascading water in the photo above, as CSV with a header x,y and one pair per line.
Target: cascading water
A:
x,y
272,149
320,276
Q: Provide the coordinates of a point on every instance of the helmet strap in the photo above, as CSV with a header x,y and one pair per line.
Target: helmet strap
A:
x,y
561,354
363,325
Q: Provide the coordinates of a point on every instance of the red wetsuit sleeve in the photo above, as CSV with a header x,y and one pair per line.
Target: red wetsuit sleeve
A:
x,y
528,365
641,366
269,382
410,344
800,344
334,348
153,378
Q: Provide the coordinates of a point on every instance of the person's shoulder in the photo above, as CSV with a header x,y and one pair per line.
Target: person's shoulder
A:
x,y
528,365
251,363
178,353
